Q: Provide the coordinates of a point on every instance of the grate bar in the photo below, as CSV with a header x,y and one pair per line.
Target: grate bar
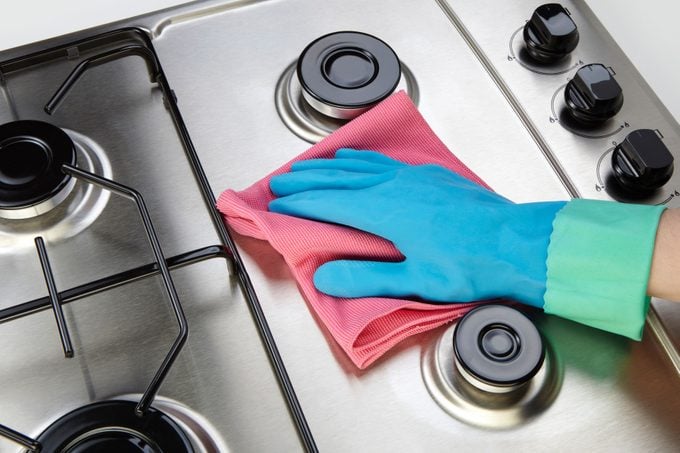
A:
x,y
110,282
115,54
54,298
21,439
136,197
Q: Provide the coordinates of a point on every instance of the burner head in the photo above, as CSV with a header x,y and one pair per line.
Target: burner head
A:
x,y
497,348
112,426
343,74
31,156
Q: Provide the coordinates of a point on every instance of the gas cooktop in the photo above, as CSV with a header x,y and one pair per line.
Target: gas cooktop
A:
x,y
130,315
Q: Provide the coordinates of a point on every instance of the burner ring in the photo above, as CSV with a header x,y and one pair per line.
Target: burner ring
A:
x,y
112,439
112,426
343,74
31,156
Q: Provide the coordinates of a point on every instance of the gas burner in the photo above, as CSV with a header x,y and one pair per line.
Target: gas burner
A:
x,y
31,156
81,206
336,78
492,369
497,349
112,426
343,74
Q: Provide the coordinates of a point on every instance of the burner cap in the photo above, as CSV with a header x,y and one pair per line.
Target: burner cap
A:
x,y
112,426
498,346
31,156
345,73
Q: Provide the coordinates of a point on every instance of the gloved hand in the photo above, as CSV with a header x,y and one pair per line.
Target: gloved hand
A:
x,y
461,242
585,260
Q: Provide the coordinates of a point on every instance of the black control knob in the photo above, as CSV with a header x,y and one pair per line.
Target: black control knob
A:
x,y
593,95
642,163
550,34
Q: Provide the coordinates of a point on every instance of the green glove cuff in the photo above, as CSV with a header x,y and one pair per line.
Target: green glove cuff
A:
x,y
599,259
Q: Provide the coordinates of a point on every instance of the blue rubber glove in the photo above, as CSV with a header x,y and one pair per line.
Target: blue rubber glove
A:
x,y
461,242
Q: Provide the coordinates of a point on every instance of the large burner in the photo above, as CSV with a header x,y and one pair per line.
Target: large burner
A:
x,y
336,78
343,74
31,156
112,426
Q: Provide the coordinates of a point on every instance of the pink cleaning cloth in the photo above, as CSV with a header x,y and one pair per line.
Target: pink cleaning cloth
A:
x,y
365,328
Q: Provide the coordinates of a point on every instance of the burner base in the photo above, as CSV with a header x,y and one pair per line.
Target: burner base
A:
x,y
113,426
470,405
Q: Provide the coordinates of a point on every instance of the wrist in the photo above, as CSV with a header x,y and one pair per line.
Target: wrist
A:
x,y
663,280
598,264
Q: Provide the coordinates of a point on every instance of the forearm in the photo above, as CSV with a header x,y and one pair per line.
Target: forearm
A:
x,y
664,277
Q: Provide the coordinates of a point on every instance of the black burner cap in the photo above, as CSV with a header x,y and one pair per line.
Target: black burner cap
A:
x,y
113,427
348,69
31,156
498,345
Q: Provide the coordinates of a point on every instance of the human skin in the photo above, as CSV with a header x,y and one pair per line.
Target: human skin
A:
x,y
664,277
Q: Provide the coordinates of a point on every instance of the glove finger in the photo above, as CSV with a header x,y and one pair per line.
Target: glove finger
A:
x,y
368,156
354,165
347,278
302,181
345,207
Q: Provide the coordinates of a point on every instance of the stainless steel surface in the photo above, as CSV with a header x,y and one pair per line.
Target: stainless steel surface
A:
x,y
223,61
452,388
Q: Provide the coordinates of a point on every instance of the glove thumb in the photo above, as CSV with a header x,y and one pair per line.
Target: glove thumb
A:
x,y
349,278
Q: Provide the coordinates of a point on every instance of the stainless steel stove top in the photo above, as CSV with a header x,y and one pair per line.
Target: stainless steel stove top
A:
x,y
223,61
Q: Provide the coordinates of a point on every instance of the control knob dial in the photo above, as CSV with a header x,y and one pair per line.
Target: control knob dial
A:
x,y
642,163
593,95
550,34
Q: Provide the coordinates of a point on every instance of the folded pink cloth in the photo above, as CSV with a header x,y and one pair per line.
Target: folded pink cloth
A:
x,y
365,328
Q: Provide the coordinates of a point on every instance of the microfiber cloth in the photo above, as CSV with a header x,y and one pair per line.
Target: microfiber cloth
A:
x,y
365,328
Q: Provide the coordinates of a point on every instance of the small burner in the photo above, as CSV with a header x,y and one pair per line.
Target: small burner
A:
x,y
31,156
343,74
112,426
497,348
492,369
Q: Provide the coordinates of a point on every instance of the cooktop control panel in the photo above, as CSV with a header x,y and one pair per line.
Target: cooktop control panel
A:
x,y
597,122
594,117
